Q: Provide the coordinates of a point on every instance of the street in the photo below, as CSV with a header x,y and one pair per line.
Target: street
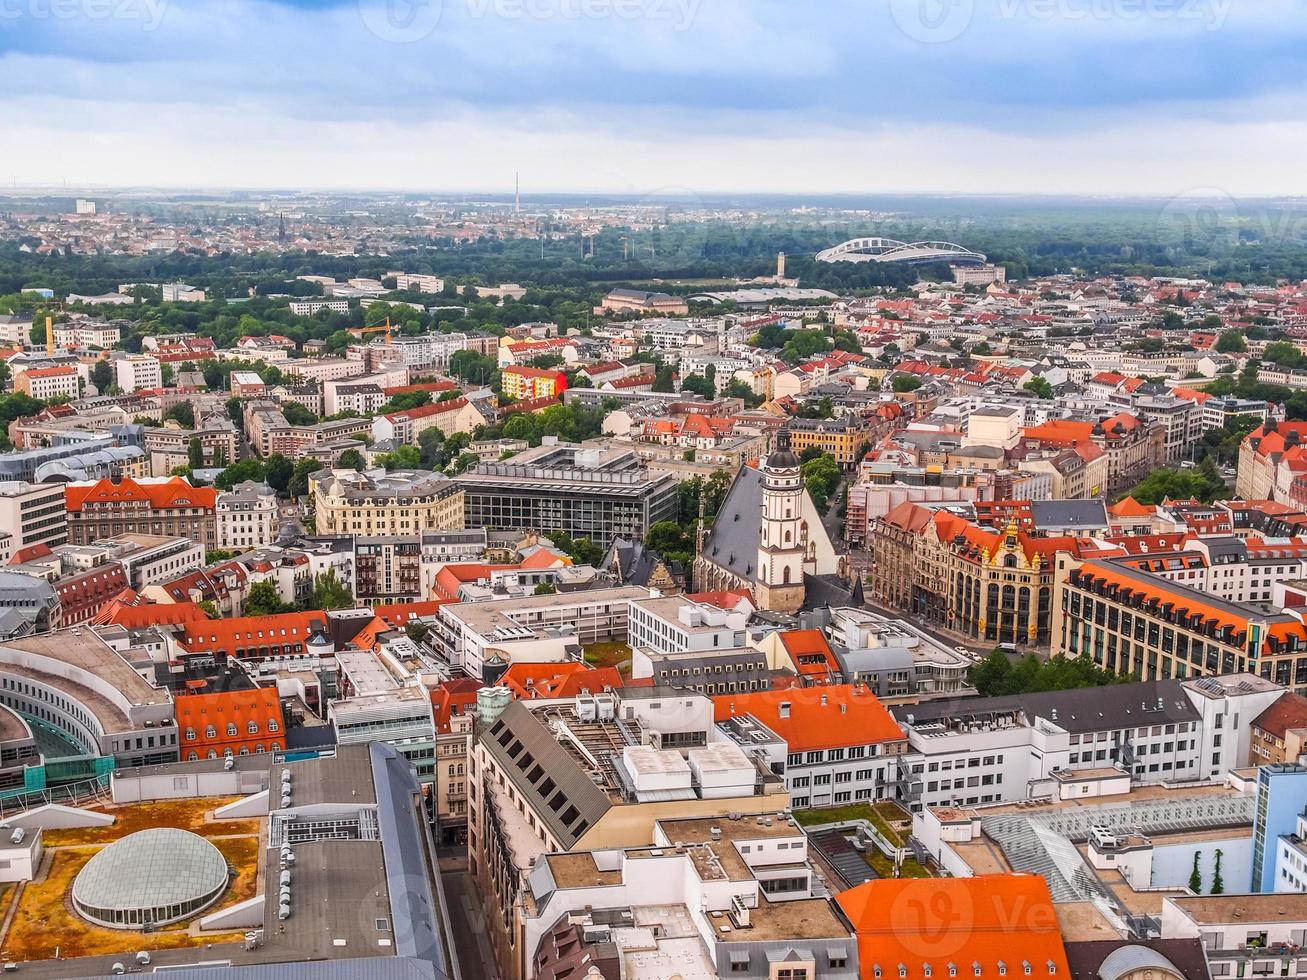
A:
x,y
476,962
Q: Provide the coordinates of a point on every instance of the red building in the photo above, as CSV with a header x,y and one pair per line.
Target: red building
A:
x,y
210,726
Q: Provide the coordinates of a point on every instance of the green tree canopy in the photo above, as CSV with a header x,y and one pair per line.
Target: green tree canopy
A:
x,y
997,675
265,600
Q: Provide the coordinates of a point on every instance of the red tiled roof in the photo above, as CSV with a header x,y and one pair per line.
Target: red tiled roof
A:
x,y
1287,714
174,493
815,718
917,927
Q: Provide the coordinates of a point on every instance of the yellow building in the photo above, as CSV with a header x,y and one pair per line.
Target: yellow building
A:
x,y
842,438
529,384
403,502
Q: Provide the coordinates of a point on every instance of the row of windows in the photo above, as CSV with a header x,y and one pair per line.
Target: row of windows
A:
x,y
251,729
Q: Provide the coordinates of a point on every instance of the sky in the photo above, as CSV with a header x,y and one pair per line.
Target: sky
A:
x,y
1168,98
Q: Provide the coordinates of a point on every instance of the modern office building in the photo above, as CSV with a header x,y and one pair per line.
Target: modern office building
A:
x,y
33,513
594,493
1281,798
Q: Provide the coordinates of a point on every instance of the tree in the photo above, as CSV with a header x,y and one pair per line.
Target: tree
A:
x,y
1231,342
331,593
184,413
1203,483
299,479
1040,387
905,382
821,476
209,608
997,675
277,471
544,588
698,384
350,459
670,540
101,376
663,380
195,454
297,414
265,600
403,458
1218,882
406,401
246,469
1196,877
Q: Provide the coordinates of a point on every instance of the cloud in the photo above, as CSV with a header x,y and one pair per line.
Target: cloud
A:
x,y
765,94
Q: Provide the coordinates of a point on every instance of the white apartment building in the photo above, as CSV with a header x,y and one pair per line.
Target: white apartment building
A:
x,y
674,624
1009,749
33,513
180,292
324,369
308,307
1242,935
87,333
535,629
834,744
45,383
137,371
246,516
419,281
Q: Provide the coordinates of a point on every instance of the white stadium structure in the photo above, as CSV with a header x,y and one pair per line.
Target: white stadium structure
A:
x,y
888,250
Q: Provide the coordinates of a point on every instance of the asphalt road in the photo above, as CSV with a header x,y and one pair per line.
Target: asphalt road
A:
x,y
475,960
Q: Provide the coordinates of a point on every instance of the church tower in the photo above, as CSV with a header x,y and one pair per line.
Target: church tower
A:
x,y
782,543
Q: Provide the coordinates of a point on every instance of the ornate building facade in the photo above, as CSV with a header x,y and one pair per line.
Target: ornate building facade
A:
x,y
988,584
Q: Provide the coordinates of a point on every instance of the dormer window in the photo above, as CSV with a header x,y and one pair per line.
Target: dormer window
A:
x,y
1002,968
952,969
975,968
1025,967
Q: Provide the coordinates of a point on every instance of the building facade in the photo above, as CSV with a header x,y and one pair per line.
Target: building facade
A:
x,y
402,502
171,508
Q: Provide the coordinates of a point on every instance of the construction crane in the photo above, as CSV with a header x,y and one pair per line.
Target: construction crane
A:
x,y
361,332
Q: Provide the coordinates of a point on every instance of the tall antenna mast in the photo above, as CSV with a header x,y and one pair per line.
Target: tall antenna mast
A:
x,y
517,192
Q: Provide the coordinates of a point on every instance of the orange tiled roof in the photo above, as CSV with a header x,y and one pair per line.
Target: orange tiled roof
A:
x,y
160,496
916,927
558,680
1129,507
196,712
251,632
815,718
810,652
